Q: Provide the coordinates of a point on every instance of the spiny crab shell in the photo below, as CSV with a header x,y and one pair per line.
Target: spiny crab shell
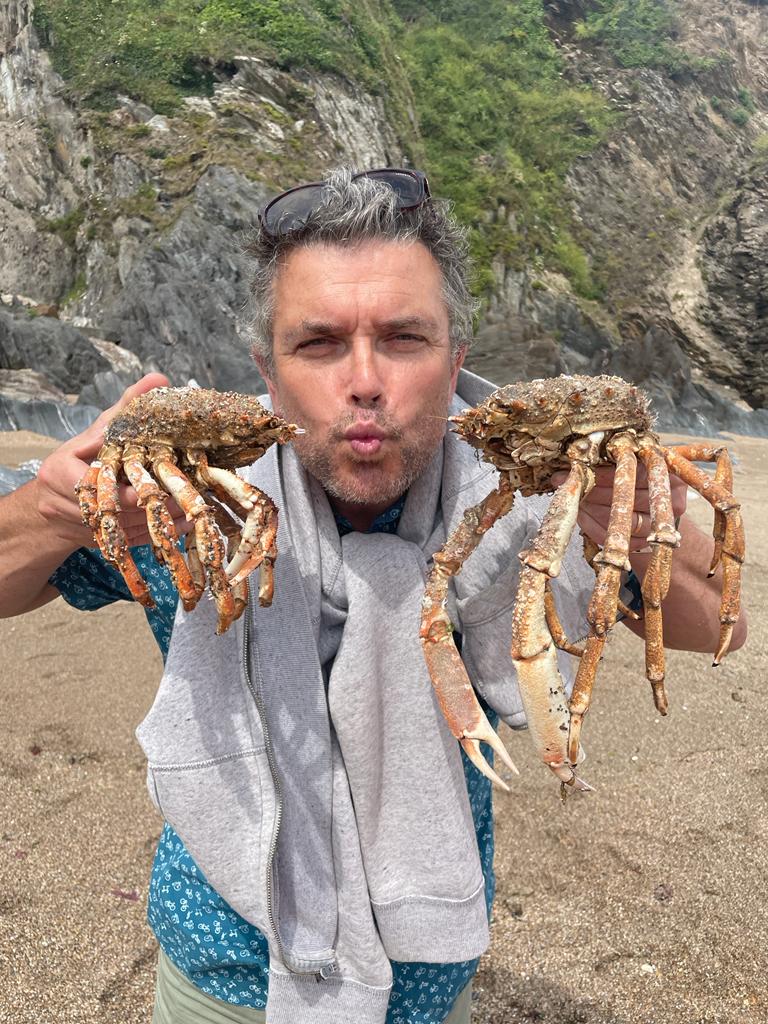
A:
x,y
186,443
236,427
526,427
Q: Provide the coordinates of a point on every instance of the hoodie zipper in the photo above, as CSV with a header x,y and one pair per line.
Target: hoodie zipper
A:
x,y
275,781
331,968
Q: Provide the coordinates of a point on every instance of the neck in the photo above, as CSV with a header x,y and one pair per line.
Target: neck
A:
x,y
360,516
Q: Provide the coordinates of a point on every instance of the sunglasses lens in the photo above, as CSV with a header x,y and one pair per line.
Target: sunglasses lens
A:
x,y
291,210
410,189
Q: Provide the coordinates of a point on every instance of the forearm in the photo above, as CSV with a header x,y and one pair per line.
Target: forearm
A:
x,y
692,606
30,550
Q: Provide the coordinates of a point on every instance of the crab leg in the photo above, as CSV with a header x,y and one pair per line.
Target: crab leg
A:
x,y
462,711
257,547
110,535
680,460
208,537
86,491
555,626
533,649
663,540
723,477
612,561
590,550
231,530
160,525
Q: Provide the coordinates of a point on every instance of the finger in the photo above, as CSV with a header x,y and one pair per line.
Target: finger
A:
x,y
127,497
597,517
591,527
603,496
679,491
138,534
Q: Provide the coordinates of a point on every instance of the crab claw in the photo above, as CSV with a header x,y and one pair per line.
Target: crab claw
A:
x,y
462,711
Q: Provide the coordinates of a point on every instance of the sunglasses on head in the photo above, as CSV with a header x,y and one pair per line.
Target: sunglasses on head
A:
x,y
292,209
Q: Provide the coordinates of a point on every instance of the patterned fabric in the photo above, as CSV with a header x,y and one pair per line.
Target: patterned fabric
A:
x,y
386,522
632,583
221,953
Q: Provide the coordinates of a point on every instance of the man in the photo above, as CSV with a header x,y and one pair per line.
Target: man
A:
x,y
321,822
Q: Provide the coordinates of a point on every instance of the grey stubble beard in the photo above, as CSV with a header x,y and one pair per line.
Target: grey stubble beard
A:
x,y
371,485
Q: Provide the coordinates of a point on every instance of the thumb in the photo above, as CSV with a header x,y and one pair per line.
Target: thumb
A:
x,y
88,443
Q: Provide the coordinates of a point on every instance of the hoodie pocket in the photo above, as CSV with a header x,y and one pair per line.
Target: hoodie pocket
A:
x,y
224,814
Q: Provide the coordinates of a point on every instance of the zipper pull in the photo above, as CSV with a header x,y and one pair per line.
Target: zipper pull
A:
x,y
328,971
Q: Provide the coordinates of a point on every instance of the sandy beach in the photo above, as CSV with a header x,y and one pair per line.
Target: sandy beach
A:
x,y
640,903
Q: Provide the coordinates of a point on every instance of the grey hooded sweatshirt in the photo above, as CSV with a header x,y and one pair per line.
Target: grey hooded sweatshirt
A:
x,y
302,756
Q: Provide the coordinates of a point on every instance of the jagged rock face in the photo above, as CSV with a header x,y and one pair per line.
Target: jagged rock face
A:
x,y
180,308
698,340
66,357
166,203
40,152
734,265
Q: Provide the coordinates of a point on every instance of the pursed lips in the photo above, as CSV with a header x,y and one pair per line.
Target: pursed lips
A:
x,y
365,438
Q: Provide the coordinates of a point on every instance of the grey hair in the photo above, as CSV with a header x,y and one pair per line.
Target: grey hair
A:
x,y
356,211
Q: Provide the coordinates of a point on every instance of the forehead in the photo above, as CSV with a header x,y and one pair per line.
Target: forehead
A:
x,y
372,279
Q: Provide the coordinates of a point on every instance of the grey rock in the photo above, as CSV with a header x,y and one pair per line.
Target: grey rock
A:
x,y
734,264
659,365
106,389
62,353
29,384
127,176
182,301
139,111
49,418
10,479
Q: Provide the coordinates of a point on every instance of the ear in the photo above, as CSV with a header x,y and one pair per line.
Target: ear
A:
x,y
268,379
457,365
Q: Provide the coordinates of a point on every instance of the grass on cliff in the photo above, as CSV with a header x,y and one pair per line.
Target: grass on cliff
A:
x,y
641,33
501,128
159,50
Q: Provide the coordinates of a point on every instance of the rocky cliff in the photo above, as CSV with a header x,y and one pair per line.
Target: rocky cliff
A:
x,y
128,225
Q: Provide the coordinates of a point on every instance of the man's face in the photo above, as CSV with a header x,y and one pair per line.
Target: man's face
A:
x,y
362,362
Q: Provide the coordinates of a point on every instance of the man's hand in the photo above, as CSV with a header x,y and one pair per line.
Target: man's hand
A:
x,y
56,499
596,507
692,605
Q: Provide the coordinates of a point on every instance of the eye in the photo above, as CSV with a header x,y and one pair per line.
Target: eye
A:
x,y
405,339
312,345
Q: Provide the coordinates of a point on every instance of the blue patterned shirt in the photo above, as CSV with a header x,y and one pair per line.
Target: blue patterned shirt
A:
x,y
209,942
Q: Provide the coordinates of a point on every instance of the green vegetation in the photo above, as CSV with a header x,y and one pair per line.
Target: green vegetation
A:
x,y
497,124
501,128
66,227
76,290
641,33
737,114
159,50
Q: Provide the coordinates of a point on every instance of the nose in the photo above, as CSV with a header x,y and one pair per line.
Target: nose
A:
x,y
366,387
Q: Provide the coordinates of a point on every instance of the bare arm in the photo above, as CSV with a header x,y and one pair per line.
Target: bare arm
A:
x,y
40,523
691,607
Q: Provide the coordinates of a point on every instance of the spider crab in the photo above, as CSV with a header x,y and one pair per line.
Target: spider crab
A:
x,y
162,442
529,431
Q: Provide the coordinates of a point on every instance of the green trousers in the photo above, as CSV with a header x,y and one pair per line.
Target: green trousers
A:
x,y
178,1001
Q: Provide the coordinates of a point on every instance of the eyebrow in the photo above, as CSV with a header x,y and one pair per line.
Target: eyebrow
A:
x,y
326,328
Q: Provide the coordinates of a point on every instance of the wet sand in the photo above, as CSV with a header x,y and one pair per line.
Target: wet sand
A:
x,y
642,902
